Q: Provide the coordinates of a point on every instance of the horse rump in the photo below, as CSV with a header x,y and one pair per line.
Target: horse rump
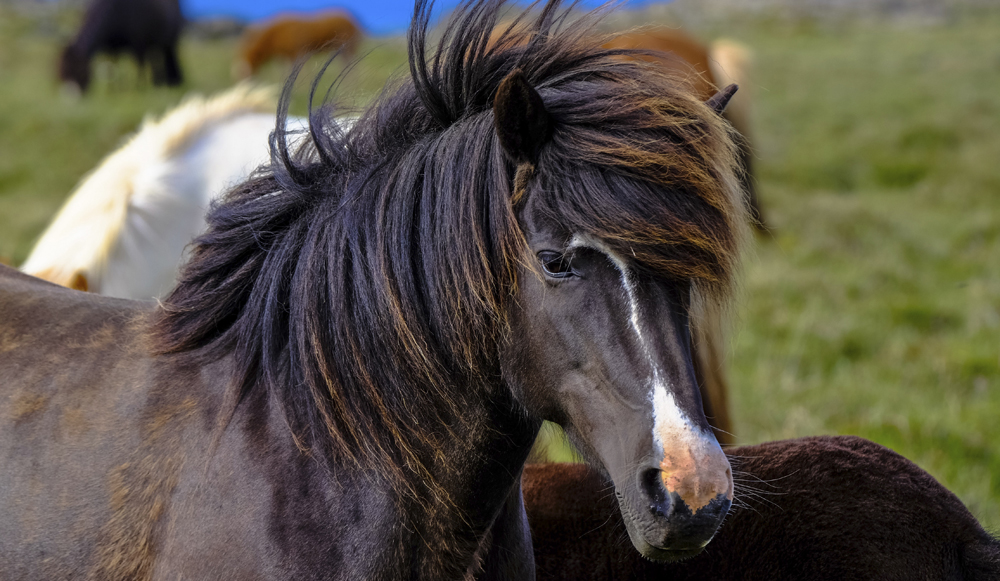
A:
x,y
813,508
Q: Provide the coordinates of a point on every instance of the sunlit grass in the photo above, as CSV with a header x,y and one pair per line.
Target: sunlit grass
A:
x,y
876,309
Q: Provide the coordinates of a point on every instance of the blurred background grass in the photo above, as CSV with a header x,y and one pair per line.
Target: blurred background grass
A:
x,y
875,308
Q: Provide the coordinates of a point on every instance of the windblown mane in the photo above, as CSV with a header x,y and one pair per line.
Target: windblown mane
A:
x,y
87,227
365,280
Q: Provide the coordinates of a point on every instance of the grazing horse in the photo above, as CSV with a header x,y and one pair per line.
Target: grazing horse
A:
x,y
350,373
123,231
813,509
292,37
148,29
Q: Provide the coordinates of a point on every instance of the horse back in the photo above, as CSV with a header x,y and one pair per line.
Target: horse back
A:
x,y
294,37
820,508
85,460
683,54
115,25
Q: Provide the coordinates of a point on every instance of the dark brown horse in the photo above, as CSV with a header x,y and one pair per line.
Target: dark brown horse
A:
x,y
703,68
146,29
814,509
351,371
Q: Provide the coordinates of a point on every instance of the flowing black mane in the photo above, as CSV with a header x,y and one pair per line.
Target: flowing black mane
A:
x,y
364,282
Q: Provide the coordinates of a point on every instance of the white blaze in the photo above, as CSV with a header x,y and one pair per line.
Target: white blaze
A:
x,y
669,422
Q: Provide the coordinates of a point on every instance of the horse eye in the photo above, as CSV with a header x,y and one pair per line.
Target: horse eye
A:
x,y
555,264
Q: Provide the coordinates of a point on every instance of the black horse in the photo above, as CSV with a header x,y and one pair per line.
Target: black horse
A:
x,y
147,29
349,375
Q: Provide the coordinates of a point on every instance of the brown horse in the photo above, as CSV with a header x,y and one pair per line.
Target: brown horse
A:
x,y
294,36
349,375
706,68
814,509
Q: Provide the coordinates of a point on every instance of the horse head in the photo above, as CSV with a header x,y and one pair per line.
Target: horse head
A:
x,y
74,67
601,345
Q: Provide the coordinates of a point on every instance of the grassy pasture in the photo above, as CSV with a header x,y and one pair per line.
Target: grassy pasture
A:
x,y
875,308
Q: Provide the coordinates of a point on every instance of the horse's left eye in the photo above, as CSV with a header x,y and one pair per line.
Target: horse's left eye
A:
x,y
555,264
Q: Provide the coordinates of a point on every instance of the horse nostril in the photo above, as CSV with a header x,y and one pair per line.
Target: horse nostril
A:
x,y
659,500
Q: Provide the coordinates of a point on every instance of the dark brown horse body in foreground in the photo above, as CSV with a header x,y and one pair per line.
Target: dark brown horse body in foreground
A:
x,y
350,373
146,29
814,509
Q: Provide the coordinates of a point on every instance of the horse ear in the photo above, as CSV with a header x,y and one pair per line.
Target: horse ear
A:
x,y
519,116
719,100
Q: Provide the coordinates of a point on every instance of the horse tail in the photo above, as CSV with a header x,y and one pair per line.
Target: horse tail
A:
x,y
74,249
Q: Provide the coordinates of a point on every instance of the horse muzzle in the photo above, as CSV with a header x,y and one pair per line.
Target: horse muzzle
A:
x,y
672,516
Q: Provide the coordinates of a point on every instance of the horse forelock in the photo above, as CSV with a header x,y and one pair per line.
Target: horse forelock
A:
x,y
365,281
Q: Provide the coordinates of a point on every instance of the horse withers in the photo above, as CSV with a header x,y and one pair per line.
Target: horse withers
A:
x,y
350,373
146,29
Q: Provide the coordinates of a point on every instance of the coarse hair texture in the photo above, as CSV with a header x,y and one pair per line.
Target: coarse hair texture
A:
x,y
365,280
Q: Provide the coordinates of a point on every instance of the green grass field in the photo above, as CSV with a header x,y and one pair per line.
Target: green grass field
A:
x,y
875,308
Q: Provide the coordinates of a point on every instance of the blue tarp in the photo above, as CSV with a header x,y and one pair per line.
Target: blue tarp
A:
x,y
376,16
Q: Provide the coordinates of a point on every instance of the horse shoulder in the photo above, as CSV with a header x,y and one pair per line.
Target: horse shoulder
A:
x,y
258,507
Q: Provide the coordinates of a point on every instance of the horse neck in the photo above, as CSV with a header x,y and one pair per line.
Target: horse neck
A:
x,y
473,528
476,529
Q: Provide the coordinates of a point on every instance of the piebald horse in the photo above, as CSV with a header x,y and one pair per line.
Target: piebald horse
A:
x,y
350,373
122,232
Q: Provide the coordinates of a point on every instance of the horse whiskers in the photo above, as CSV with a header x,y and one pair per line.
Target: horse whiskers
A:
x,y
743,477
744,493
602,525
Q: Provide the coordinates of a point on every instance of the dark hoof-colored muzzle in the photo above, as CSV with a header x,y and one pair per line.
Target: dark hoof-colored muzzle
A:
x,y
671,529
